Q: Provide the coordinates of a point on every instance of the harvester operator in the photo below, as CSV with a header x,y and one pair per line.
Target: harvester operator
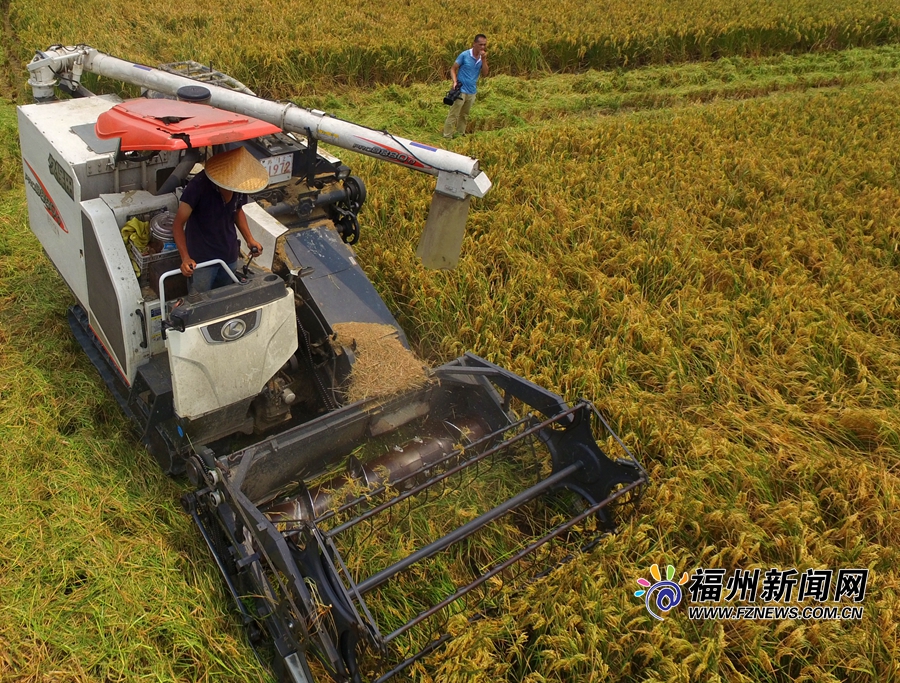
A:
x,y
211,206
469,65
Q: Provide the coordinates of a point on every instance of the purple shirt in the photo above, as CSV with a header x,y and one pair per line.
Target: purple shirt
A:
x,y
210,230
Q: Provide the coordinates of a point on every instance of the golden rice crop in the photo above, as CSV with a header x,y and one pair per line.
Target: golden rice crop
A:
x,y
278,47
721,279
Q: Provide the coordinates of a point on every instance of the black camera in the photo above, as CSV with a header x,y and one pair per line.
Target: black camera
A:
x,y
453,95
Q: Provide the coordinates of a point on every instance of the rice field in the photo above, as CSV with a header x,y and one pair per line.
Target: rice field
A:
x,y
283,48
709,251
723,279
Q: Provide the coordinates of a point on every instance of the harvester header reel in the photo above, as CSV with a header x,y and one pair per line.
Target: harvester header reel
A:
x,y
328,552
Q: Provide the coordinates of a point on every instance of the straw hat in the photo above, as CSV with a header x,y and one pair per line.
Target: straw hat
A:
x,y
238,171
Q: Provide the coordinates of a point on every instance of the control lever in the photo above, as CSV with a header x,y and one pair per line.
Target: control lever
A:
x,y
254,252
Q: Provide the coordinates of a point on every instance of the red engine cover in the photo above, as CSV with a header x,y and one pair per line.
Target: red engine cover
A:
x,y
145,124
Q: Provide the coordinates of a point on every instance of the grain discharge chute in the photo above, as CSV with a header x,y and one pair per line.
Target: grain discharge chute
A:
x,y
333,472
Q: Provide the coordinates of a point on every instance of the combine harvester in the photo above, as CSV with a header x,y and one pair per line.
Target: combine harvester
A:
x,y
322,508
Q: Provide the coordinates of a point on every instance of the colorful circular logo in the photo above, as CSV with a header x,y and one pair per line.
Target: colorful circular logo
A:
x,y
662,596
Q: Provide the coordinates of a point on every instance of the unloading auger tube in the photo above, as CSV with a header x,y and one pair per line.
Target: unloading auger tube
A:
x,y
458,177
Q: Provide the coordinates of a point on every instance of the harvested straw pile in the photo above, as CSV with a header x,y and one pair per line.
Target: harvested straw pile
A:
x,y
281,261
383,365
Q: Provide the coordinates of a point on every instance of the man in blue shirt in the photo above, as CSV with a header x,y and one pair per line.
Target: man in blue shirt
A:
x,y
465,72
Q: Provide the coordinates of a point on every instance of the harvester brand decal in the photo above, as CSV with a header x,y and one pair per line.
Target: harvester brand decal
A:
x,y
233,329
781,589
388,153
41,191
62,176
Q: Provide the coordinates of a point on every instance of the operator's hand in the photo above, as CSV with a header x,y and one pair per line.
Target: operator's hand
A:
x,y
254,247
187,267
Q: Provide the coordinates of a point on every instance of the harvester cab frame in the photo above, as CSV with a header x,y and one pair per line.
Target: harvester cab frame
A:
x,y
246,387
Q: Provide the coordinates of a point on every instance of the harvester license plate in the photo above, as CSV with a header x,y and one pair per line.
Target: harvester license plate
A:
x,y
279,167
